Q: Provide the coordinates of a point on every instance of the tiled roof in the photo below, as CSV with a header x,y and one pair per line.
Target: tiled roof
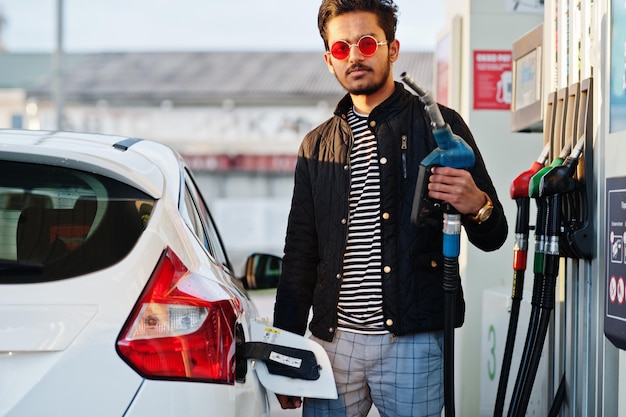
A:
x,y
24,70
192,77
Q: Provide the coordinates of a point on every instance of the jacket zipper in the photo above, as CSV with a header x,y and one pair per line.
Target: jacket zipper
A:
x,y
404,147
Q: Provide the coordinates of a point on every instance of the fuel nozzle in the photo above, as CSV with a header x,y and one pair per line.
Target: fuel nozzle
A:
x,y
520,185
431,107
560,179
452,151
534,185
551,187
519,192
534,191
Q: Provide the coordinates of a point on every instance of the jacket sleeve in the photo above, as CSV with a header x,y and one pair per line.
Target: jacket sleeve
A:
x,y
299,270
491,234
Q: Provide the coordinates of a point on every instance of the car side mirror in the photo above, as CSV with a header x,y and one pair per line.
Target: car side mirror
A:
x,y
262,271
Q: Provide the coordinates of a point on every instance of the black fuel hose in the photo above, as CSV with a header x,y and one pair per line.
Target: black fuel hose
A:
x,y
559,397
519,267
521,193
546,301
450,286
533,322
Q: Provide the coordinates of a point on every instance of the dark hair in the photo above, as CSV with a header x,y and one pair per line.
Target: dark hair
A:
x,y
385,11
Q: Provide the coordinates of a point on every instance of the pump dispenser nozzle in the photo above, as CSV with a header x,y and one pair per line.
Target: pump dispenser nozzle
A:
x,y
452,151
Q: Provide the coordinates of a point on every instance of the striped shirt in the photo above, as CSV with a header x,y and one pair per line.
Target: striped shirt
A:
x,y
360,307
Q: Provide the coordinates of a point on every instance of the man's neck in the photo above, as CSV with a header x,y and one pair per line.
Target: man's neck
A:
x,y
365,103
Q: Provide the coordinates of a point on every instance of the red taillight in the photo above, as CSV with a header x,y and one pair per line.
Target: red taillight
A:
x,y
182,327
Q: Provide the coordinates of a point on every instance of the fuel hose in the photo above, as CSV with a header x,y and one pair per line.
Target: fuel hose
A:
x,y
518,192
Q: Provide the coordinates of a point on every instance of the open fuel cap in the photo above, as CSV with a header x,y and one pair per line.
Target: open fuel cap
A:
x,y
290,364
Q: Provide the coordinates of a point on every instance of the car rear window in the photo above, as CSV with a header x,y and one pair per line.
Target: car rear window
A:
x,y
58,223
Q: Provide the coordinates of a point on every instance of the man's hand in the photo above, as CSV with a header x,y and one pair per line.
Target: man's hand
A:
x,y
289,402
456,187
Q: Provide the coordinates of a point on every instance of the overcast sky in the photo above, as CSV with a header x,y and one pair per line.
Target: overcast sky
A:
x,y
199,25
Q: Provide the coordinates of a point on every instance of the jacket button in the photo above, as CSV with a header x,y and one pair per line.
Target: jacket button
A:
x,y
433,264
389,322
383,160
387,269
344,221
346,167
373,123
331,330
338,276
386,216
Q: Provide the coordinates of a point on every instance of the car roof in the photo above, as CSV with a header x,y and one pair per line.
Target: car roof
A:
x,y
143,164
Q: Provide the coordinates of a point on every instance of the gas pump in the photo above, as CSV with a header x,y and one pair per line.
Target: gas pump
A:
x,y
555,184
453,152
562,230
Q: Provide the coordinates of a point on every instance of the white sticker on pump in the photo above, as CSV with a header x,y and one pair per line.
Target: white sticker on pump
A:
x,y
285,360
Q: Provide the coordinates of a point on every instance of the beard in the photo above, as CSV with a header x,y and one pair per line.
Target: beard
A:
x,y
370,88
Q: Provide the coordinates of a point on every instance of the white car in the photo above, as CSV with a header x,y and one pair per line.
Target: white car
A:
x,y
116,294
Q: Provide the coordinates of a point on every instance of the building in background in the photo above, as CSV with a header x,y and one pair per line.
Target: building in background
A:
x,y
236,117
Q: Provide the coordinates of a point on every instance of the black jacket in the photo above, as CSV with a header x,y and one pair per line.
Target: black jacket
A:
x,y
413,297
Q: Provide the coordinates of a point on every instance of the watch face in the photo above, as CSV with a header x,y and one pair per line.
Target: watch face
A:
x,y
486,214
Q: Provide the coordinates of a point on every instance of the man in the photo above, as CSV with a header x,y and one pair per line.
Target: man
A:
x,y
373,278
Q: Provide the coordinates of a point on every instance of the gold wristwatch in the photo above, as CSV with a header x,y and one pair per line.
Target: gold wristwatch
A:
x,y
484,213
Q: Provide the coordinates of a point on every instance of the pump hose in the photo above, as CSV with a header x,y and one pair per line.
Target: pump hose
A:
x,y
533,322
508,355
450,285
546,302
519,268
559,397
531,337
528,382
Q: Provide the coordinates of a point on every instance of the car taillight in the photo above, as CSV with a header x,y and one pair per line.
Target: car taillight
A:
x,y
182,327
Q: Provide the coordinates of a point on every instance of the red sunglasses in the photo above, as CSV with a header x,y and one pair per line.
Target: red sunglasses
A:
x,y
368,45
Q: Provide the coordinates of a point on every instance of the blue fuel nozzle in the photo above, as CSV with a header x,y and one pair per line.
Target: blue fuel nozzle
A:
x,y
452,151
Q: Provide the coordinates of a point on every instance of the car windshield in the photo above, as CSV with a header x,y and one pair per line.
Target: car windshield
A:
x,y
57,222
